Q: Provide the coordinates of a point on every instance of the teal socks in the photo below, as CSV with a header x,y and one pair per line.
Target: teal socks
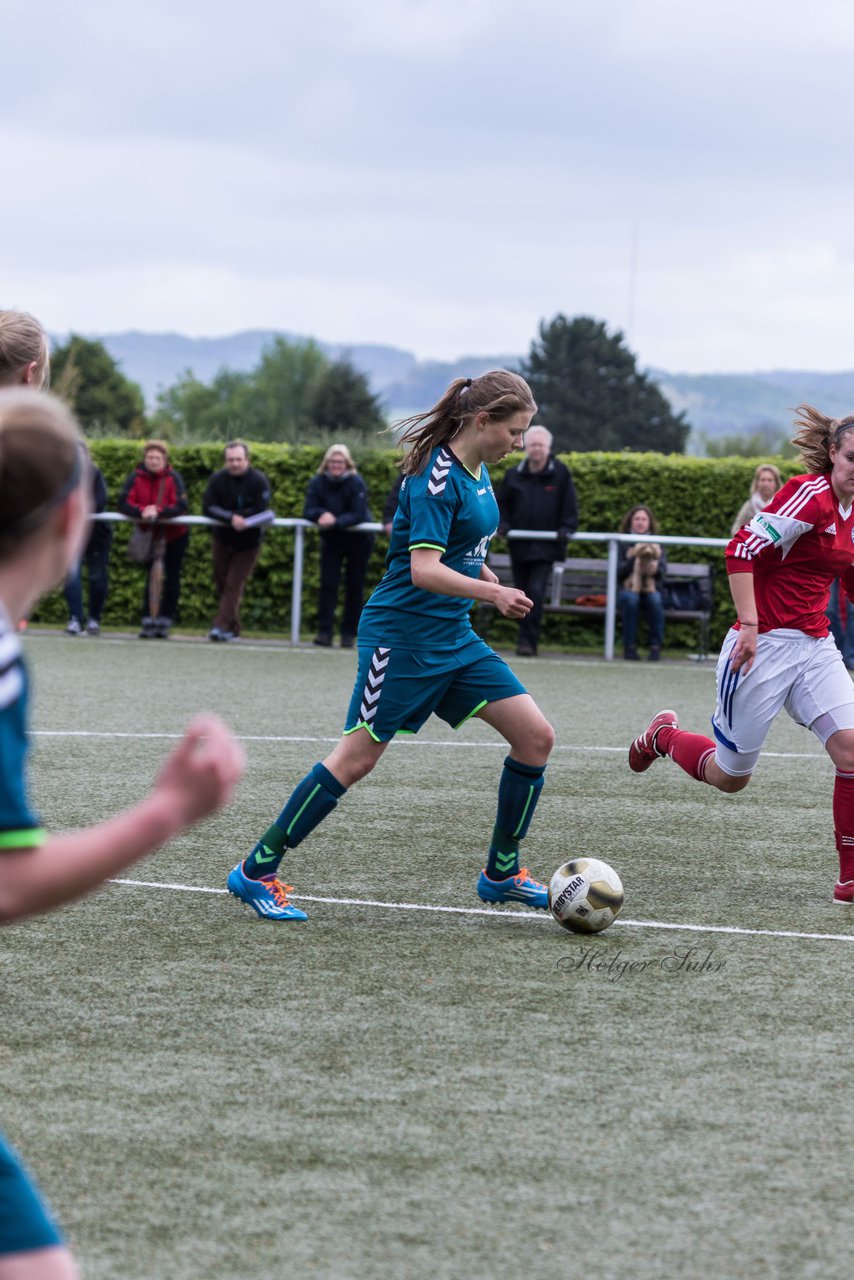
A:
x,y
310,802
518,793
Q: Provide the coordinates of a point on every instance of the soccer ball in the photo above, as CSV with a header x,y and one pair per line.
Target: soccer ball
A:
x,y
585,895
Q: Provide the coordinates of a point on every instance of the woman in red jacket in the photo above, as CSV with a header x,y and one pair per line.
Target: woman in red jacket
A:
x,y
155,492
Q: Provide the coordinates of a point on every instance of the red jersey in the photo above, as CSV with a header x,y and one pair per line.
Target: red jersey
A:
x,y
795,548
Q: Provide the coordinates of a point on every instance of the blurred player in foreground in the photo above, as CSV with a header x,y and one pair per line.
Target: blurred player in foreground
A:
x,y
44,509
24,351
418,653
779,652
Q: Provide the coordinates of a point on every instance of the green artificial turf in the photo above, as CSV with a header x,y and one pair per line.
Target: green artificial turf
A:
x,y
397,1093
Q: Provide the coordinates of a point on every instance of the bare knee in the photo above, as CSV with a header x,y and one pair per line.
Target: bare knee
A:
x,y
716,777
536,744
354,758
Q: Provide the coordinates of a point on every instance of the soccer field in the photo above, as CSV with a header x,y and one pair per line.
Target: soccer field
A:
x,y
412,1085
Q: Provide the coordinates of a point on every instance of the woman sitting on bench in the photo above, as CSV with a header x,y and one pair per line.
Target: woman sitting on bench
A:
x,y
640,573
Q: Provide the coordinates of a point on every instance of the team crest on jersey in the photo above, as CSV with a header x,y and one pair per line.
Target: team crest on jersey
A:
x,y
773,534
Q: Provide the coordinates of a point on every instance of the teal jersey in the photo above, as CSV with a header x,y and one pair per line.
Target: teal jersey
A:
x,y
444,507
19,827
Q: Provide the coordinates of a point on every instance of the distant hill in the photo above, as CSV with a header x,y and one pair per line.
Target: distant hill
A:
x,y
714,403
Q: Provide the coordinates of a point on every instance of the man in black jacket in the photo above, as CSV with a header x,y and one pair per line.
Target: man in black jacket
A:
x,y
239,495
538,494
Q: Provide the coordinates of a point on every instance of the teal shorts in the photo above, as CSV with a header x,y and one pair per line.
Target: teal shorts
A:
x,y
397,690
25,1223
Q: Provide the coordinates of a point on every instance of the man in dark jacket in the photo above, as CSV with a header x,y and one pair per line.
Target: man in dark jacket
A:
x,y
538,494
240,496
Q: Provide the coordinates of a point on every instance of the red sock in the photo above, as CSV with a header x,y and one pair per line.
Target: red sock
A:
x,y
843,823
689,750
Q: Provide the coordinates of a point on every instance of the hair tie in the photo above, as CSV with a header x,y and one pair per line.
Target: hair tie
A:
x,y
465,385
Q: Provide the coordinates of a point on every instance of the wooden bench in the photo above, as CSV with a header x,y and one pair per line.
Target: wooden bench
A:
x,y
578,586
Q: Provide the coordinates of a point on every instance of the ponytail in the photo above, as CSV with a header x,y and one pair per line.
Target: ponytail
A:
x,y
499,393
817,433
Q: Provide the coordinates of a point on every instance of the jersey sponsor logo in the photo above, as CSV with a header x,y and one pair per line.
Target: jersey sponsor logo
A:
x,y
478,553
831,528
439,474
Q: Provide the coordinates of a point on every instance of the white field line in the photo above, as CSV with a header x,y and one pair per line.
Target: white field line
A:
x,y
406,742
500,913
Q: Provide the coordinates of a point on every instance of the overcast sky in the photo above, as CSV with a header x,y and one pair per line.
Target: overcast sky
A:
x,y
440,175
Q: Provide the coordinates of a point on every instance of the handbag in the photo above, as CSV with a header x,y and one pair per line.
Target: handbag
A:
x,y
141,541
687,596
140,544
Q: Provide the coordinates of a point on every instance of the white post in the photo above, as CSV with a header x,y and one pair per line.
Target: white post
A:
x,y
296,597
611,603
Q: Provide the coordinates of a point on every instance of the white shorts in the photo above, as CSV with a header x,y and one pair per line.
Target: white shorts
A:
x,y
804,674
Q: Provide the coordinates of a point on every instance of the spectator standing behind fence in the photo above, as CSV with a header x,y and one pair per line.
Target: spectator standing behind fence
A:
x,y
95,556
766,482
155,492
537,494
337,499
240,495
640,573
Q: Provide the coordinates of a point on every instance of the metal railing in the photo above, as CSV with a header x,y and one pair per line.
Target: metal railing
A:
x,y
299,526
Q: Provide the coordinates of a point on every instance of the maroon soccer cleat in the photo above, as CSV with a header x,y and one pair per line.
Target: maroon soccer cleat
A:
x,y
643,752
843,891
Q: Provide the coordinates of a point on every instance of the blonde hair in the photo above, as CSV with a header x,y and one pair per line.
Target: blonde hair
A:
x,y
766,466
499,393
42,461
817,433
23,342
342,451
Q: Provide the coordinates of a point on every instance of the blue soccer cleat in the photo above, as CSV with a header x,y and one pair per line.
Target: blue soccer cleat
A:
x,y
267,897
519,888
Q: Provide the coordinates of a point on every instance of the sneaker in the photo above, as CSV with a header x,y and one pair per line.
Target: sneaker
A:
x,y
643,751
146,631
323,638
93,628
225,636
214,634
519,888
525,650
74,628
347,641
161,628
843,891
267,897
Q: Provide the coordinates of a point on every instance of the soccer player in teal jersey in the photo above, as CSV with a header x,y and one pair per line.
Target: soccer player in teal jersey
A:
x,y
418,653
44,510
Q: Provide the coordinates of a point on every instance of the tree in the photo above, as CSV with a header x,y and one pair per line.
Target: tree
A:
x,y
283,390
193,410
105,402
345,403
591,395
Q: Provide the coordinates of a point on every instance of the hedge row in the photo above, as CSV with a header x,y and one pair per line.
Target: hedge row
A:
x,y
692,496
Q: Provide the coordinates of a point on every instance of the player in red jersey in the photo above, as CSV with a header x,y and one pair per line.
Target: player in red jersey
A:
x,y
779,652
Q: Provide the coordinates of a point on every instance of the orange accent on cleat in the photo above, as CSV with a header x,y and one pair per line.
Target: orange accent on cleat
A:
x,y
643,751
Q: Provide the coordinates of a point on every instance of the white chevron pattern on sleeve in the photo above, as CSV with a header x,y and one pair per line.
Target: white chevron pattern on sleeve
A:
x,y
439,474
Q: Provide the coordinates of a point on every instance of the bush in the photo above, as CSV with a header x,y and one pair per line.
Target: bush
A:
x,y
691,496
